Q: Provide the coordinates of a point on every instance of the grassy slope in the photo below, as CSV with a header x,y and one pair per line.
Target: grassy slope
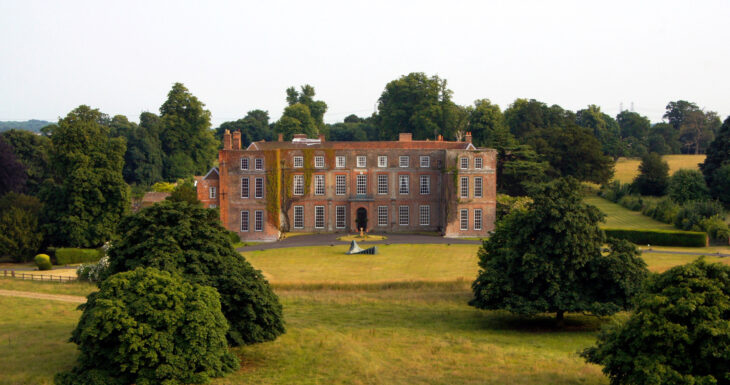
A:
x,y
628,168
621,217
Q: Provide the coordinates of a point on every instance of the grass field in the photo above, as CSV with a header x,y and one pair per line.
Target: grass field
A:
x,y
621,217
400,317
627,168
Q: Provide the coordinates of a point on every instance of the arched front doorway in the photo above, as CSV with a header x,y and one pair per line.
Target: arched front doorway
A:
x,y
361,219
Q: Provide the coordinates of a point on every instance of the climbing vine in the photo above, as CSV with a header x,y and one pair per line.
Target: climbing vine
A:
x,y
273,178
308,155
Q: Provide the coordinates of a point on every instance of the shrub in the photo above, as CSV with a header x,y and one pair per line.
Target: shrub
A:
x,y
163,187
93,272
677,334
660,237
43,262
692,213
632,202
688,185
198,247
614,191
70,255
665,210
233,237
148,326
715,227
507,204
20,235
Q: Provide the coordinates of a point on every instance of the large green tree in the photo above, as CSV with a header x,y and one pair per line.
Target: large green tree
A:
x,y
296,120
687,185
254,127
187,140
632,124
604,127
653,178
718,155
417,104
317,108
518,167
149,327
87,195
20,235
186,238
678,333
488,127
548,259
13,176
32,151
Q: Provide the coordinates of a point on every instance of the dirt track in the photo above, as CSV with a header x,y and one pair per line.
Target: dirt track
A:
x,y
52,297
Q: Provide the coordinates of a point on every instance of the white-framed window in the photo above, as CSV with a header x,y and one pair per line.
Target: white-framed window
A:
x,y
478,187
211,192
403,215
244,187
319,162
477,219
244,163
298,161
244,220
362,184
425,185
340,184
318,217
382,215
382,161
478,163
424,218
362,161
298,183
425,161
319,185
259,220
298,217
464,163
340,161
259,188
464,216
403,184
382,184
259,163
403,161
340,217
212,206
464,193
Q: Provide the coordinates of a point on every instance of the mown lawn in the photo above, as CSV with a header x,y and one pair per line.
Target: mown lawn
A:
x,y
627,168
618,216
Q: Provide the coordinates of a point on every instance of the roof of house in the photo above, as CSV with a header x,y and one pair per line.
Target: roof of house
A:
x,y
153,197
397,145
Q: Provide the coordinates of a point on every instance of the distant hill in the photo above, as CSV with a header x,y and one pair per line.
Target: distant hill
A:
x,y
29,125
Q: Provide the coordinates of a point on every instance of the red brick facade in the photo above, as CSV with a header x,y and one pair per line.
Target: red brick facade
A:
x,y
309,185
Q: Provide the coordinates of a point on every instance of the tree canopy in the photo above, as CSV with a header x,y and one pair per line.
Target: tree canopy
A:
x,y
653,178
677,334
20,235
548,259
12,172
148,326
718,155
87,195
254,127
31,151
185,238
317,108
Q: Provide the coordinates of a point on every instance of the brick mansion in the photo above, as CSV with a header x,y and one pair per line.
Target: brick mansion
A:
x,y
313,185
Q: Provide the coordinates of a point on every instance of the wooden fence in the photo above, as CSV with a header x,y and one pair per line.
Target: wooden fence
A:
x,y
37,277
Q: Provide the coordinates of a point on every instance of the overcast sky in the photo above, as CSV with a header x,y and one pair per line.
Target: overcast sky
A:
x,y
123,57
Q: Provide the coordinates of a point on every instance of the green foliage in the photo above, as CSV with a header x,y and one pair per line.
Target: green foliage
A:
x,y
28,125
163,187
150,327
87,195
417,104
93,272
143,160
488,127
519,167
254,127
678,333
692,213
653,176
631,202
665,210
614,191
549,259
20,235
32,152
185,135
718,156
687,185
660,237
296,119
716,228
507,204
198,247
633,125
316,108
604,127
13,176
184,191
72,255
43,262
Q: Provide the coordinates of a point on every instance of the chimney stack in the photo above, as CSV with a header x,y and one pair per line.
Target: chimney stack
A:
x,y
237,140
468,137
227,140
405,137
281,137
321,138
441,138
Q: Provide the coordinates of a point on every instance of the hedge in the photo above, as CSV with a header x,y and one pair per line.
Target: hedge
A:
x,y
660,237
69,255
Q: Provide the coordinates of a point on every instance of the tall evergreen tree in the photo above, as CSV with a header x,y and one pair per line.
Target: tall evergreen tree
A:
x,y
653,178
718,155
87,196
187,140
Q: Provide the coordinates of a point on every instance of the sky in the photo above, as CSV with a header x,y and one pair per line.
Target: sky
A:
x,y
123,57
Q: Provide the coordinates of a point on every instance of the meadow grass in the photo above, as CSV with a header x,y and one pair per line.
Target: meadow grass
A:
x,y
618,216
627,169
